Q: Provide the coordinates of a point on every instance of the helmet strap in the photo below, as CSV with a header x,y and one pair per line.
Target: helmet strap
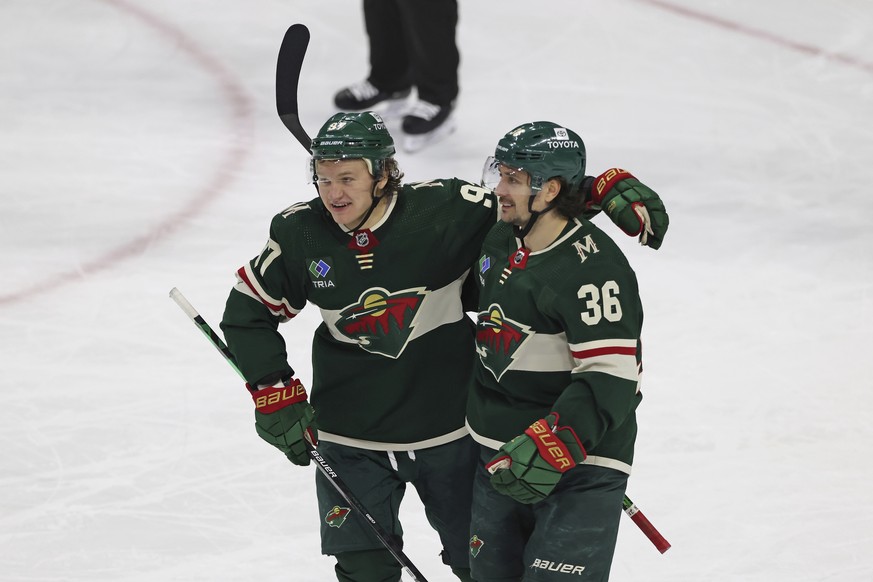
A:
x,y
374,201
523,231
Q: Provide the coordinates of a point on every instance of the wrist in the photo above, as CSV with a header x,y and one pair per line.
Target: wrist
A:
x,y
557,445
269,399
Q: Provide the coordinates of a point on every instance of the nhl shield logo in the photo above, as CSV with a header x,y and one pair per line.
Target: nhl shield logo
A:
x,y
363,241
498,339
518,260
336,517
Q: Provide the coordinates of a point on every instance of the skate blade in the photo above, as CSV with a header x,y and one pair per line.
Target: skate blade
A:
x,y
415,142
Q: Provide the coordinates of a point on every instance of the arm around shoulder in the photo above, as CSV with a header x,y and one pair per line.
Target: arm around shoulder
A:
x,y
634,207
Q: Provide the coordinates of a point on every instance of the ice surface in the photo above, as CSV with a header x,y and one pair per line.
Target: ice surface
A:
x,y
140,150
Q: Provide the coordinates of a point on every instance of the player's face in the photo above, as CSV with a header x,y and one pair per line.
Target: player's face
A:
x,y
513,195
346,188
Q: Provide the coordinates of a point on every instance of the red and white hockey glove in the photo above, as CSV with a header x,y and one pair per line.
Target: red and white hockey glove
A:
x,y
631,205
284,418
528,467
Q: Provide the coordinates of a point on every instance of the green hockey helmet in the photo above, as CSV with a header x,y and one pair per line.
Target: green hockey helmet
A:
x,y
348,136
544,150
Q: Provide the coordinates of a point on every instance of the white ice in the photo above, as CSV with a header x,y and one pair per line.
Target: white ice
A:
x,y
140,150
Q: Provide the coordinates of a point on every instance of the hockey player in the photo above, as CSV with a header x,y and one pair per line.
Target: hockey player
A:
x,y
386,263
557,381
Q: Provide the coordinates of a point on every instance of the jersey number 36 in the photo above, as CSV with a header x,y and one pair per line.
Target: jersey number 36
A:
x,y
600,302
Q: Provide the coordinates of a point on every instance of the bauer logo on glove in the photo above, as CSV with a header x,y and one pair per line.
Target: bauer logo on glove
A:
x,y
528,467
606,180
631,205
552,450
285,419
273,398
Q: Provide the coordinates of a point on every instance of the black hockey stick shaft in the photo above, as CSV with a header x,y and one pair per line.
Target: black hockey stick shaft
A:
x,y
387,540
288,66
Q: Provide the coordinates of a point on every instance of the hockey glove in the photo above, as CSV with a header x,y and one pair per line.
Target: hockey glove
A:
x,y
631,205
283,418
528,467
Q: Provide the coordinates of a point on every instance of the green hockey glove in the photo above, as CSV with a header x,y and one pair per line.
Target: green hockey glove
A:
x,y
528,467
284,418
631,205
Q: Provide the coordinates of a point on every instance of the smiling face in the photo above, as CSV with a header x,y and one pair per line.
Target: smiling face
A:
x,y
346,188
514,192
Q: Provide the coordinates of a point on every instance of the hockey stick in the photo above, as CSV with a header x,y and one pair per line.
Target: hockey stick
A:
x,y
288,66
390,544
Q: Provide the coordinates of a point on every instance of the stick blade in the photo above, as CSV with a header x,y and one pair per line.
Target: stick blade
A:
x,y
288,66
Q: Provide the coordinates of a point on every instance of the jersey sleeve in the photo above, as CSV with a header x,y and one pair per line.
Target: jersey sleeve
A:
x,y
270,289
590,210
602,318
479,212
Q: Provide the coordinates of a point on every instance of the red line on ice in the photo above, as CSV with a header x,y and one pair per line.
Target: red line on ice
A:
x,y
761,34
231,162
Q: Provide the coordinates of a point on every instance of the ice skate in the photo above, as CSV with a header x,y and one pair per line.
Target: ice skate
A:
x,y
364,96
427,123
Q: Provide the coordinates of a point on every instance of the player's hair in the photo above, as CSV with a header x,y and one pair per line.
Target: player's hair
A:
x,y
395,177
569,203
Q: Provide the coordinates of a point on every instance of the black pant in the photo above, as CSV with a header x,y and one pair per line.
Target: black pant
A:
x,y
412,43
568,536
442,477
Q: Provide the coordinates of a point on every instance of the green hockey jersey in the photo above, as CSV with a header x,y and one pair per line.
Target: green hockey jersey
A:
x,y
558,330
394,354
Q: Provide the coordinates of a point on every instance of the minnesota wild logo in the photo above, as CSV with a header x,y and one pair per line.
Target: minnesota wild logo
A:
x,y
475,545
498,339
381,322
336,517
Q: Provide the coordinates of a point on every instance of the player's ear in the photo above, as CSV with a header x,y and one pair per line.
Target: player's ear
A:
x,y
383,181
550,190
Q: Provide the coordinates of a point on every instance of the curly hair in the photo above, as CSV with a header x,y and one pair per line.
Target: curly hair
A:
x,y
569,204
395,177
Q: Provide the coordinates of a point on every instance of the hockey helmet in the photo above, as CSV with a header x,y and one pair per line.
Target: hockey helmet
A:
x,y
544,150
347,136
